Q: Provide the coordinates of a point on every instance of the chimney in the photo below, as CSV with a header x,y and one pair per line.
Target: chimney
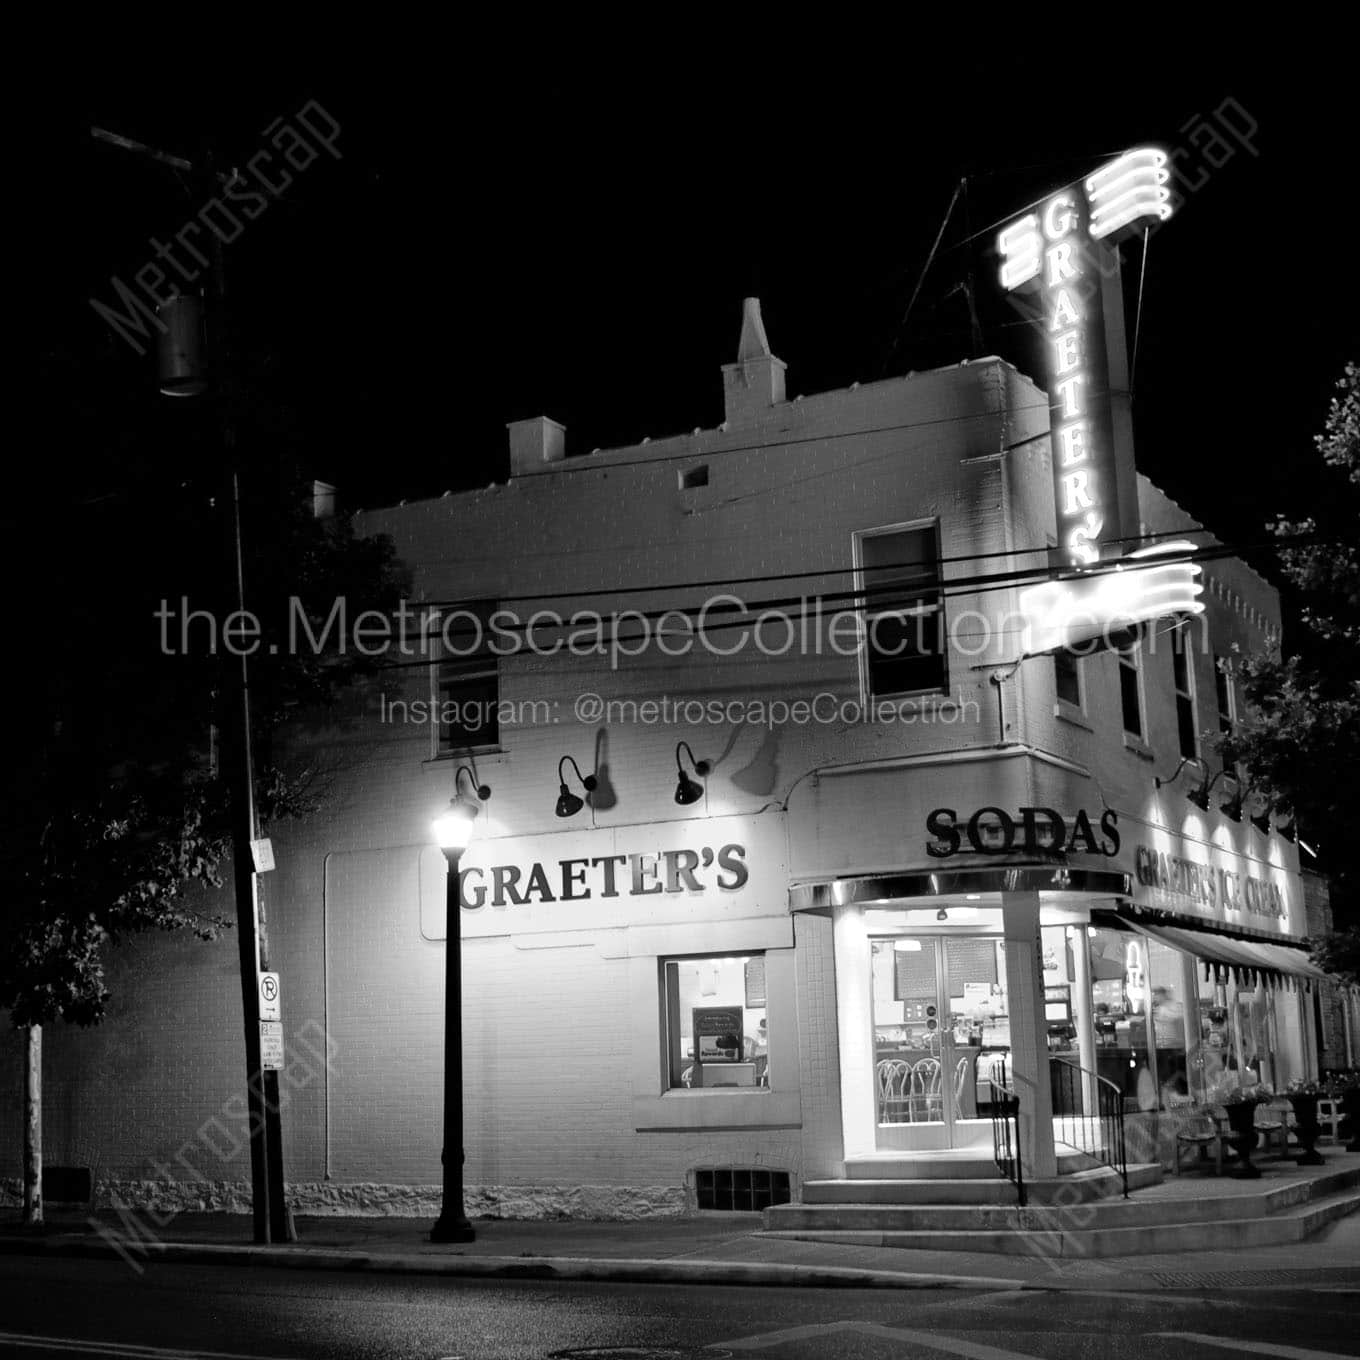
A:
x,y
756,381
534,444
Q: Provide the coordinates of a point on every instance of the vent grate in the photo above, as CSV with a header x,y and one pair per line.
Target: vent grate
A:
x,y
740,1189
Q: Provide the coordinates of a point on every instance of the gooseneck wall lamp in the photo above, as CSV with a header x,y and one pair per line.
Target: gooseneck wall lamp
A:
x,y
1200,796
1261,820
568,804
453,833
689,790
1171,778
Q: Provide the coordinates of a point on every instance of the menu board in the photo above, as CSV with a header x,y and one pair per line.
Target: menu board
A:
x,y
755,982
718,1034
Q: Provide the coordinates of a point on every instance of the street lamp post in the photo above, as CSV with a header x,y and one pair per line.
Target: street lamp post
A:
x,y
453,832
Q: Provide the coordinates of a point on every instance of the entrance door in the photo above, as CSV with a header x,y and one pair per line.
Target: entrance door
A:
x,y
941,1031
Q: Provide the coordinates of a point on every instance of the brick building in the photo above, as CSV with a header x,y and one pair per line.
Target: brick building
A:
x,y
907,872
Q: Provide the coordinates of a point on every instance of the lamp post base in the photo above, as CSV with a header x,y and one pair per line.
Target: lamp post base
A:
x,y
450,1228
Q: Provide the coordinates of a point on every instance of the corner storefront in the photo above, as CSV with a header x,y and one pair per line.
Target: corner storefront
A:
x,y
992,907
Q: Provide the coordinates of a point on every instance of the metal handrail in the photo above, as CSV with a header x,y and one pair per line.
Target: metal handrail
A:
x,y
1006,1129
1073,1088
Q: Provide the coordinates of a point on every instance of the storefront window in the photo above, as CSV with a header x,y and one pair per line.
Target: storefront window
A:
x,y
1169,1030
1238,1039
941,1027
716,1027
1120,999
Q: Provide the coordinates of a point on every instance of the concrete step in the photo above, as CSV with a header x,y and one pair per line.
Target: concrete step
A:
x,y
954,1164
1078,1187
1103,1228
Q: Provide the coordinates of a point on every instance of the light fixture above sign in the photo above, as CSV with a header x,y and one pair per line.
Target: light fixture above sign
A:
x,y
1140,587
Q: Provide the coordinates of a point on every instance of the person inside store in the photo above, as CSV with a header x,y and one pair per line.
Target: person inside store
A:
x,y
758,1052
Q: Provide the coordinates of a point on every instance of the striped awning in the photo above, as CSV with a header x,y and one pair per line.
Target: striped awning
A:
x,y
1246,961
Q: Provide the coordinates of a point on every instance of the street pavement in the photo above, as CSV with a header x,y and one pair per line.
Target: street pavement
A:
x,y
665,1251
60,1307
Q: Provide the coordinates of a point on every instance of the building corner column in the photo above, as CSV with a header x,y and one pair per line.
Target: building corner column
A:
x,y
855,1030
1029,1032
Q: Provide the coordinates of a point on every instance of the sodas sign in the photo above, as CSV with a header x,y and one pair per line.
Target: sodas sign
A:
x,y
1030,831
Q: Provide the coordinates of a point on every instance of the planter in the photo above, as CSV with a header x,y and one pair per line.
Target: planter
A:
x,y
1350,1112
1306,1129
1242,1122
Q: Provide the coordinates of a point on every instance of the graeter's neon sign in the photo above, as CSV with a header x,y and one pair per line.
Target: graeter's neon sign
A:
x,y
1066,251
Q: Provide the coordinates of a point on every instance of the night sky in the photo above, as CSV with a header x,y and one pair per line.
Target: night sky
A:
x,y
574,237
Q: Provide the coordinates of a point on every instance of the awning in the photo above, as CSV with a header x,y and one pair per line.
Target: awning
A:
x,y
1277,965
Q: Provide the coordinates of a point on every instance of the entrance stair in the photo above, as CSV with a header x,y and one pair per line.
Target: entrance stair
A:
x,y
961,1203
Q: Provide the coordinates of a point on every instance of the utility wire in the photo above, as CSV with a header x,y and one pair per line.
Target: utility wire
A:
x,y
799,605
919,563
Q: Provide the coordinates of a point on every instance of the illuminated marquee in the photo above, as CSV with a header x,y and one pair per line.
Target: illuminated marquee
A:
x,y
1139,588
1066,251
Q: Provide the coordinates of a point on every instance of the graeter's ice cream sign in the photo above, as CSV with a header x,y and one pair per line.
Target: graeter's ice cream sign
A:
x,y
1066,252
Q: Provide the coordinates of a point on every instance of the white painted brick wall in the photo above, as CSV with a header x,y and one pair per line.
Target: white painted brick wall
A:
x,y
548,1096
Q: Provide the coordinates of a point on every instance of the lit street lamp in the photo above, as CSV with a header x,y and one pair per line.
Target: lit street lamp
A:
x,y
453,832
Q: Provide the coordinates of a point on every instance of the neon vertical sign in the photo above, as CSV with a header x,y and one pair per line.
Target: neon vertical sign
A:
x,y
1067,253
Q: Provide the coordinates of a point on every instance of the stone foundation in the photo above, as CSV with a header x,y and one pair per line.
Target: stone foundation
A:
x,y
376,1200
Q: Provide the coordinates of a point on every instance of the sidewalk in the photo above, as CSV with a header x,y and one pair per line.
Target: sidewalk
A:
x,y
706,1249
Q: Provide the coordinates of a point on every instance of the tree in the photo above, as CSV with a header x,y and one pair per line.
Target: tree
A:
x,y
1299,739
120,819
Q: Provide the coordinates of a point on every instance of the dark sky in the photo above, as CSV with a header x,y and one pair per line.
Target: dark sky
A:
x,y
574,235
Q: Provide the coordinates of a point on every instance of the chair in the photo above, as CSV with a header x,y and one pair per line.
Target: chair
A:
x,y
1200,1131
893,1079
1329,1117
1272,1124
926,1101
960,1081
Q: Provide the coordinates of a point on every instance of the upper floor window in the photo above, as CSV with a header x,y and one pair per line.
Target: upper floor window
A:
x,y
1183,677
904,641
1067,677
466,680
1227,700
1130,690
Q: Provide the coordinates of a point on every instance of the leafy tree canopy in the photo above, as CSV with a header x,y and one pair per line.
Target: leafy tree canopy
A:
x,y
1299,739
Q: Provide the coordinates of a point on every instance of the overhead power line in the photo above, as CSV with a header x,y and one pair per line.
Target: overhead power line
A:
x,y
799,607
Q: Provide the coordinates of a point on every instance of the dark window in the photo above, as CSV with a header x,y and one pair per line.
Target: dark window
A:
x,y
903,611
740,1189
1182,672
467,679
694,477
1224,690
1129,698
1067,677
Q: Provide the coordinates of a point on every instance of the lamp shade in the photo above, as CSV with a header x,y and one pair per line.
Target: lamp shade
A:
x,y
180,347
568,804
453,828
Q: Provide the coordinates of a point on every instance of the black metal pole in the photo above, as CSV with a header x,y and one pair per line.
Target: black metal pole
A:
x,y
236,755
452,1224
266,1162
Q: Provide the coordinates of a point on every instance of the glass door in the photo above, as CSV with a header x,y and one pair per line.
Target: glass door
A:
x,y
941,1032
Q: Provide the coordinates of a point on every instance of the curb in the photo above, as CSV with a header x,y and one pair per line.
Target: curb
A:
x,y
688,1271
